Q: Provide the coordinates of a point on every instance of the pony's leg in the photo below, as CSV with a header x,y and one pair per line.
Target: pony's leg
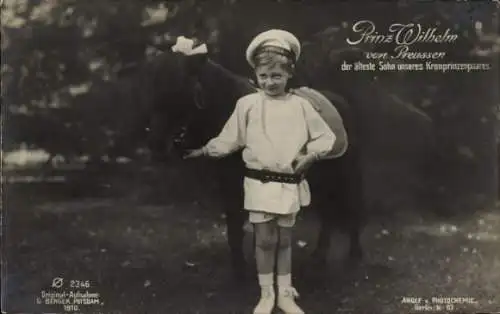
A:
x,y
320,253
349,216
156,141
352,204
355,248
341,206
229,176
235,219
345,212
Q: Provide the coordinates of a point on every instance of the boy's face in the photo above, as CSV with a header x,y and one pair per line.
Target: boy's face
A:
x,y
272,79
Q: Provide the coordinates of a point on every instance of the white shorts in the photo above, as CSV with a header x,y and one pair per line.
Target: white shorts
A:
x,y
282,220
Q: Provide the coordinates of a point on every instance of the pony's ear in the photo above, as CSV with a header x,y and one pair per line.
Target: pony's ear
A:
x,y
169,43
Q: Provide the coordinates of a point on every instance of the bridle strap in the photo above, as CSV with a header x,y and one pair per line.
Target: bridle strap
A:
x,y
198,95
200,104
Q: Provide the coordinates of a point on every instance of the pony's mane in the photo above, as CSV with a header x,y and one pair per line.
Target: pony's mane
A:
x,y
220,75
221,88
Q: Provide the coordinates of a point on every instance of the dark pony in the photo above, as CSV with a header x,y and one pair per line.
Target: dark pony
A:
x,y
336,184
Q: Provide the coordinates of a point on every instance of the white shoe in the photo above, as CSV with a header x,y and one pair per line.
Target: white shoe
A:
x,y
286,300
266,302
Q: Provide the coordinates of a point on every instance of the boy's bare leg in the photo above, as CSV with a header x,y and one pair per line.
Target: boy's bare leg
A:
x,y
284,260
287,294
266,242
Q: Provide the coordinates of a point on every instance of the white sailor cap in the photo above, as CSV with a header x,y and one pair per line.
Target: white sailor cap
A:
x,y
277,40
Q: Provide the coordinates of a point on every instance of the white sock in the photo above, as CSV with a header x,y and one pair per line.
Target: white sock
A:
x,y
285,280
266,279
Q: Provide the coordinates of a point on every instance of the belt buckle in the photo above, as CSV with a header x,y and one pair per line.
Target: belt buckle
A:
x,y
265,179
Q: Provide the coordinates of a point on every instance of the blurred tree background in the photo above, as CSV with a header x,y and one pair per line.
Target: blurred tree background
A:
x,y
72,73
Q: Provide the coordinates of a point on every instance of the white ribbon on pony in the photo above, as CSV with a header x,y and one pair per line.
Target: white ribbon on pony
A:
x,y
185,46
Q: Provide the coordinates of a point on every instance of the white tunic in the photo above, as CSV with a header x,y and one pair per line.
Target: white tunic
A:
x,y
273,132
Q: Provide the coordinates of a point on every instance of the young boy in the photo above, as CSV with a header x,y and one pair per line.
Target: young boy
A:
x,y
281,136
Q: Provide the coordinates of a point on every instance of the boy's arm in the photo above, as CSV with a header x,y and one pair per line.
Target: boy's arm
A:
x,y
232,136
321,137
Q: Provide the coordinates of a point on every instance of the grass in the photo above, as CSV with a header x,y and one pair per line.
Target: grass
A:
x,y
170,255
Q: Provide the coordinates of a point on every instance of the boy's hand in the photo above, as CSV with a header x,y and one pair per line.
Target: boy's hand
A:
x,y
303,163
194,153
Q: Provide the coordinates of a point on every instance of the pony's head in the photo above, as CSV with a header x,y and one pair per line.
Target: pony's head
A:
x,y
201,95
173,95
